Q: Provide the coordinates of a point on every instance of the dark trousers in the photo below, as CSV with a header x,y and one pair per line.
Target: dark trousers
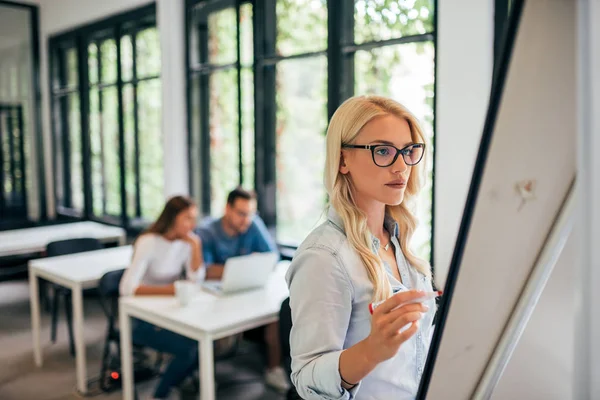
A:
x,y
184,350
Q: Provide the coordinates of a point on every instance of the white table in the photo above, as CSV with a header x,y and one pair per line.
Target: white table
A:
x,y
35,240
206,318
77,272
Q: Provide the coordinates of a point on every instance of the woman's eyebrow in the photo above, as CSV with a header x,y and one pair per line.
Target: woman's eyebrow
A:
x,y
387,142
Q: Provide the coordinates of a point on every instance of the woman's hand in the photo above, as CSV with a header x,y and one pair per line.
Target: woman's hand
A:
x,y
196,244
192,239
389,318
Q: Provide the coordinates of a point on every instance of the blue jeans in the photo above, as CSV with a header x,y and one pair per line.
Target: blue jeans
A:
x,y
184,350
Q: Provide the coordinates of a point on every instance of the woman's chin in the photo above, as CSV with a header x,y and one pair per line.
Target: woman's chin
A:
x,y
395,200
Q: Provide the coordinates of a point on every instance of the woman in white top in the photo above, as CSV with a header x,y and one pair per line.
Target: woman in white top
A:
x,y
163,254
361,254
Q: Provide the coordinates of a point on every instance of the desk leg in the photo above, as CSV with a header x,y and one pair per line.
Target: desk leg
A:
x,y
80,358
207,372
126,354
34,303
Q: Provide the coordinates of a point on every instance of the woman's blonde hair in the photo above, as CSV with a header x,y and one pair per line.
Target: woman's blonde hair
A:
x,y
345,125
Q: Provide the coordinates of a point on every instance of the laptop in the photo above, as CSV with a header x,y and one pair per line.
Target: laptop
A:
x,y
244,273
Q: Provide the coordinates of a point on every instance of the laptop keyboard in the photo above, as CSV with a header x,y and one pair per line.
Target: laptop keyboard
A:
x,y
216,285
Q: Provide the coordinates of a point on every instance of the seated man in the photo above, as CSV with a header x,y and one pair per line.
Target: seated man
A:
x,y
240,232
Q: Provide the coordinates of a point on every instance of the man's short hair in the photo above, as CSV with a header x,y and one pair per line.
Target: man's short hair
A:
x,y
240,193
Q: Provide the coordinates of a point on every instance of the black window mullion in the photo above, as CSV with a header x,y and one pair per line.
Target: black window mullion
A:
x,y
101,132
124,217
38,153
138,201
11,146
22,157
334,57
64,129
84,105
204,94
239,91
2,191
265,110
347,60
55,143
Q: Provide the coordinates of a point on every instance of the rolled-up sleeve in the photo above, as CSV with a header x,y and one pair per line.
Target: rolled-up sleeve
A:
x,y
321,297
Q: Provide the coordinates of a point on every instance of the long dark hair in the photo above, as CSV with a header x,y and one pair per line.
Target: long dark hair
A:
x,y
166,219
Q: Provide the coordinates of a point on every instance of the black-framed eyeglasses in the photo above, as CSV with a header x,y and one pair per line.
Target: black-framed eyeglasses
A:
x,y
385,155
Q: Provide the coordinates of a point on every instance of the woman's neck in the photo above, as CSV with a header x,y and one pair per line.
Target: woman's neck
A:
x,y
170,236
375,212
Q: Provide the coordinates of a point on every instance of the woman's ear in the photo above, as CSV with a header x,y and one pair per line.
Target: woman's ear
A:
x,y
343,168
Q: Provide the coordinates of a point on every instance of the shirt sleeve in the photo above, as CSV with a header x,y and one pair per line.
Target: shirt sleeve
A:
x,y
262,242
321,304
142,253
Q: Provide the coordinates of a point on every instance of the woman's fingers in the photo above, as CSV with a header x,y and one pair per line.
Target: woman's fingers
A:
x,y
393,315
397,300
407,333
402,321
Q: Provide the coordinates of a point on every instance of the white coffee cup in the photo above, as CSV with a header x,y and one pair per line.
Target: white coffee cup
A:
x,y
184,291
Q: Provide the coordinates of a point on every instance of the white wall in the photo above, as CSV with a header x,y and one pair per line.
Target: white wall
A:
x,y
464,75
62,15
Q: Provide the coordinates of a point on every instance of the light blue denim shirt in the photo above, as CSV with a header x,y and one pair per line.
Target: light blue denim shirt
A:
x,y
330,293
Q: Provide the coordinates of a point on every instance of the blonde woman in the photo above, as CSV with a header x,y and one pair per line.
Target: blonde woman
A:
x,y
361,255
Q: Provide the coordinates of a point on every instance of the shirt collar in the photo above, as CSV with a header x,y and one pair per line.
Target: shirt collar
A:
x,y
389,223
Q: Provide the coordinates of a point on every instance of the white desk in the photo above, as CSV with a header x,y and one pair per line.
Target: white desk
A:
x,y
35,240
205,319
77,272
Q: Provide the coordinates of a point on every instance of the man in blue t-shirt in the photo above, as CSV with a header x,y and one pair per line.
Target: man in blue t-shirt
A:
x,y
239,232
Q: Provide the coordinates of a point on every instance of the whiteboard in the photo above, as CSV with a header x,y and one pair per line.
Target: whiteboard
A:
x,y
529,139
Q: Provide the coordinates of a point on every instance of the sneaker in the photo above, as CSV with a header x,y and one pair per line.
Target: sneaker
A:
x,y
277,379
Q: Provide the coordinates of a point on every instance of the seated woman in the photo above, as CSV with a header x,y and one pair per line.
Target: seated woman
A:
x,y
161,255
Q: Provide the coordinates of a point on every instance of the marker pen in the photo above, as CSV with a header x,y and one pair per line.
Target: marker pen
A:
x,y
425,297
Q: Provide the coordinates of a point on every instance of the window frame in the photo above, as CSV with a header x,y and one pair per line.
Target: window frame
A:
x,y
202,71
115,27
340,51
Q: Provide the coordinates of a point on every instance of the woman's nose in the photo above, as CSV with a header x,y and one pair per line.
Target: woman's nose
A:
x,y
399,165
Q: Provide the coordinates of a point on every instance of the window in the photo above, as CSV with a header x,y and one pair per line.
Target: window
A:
x,y
13,201
301,123
66,120
309,56
393,56
107,106
222,103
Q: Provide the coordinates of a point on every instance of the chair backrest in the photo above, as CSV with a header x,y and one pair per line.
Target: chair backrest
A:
x,y
285,328
108,289
72,246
